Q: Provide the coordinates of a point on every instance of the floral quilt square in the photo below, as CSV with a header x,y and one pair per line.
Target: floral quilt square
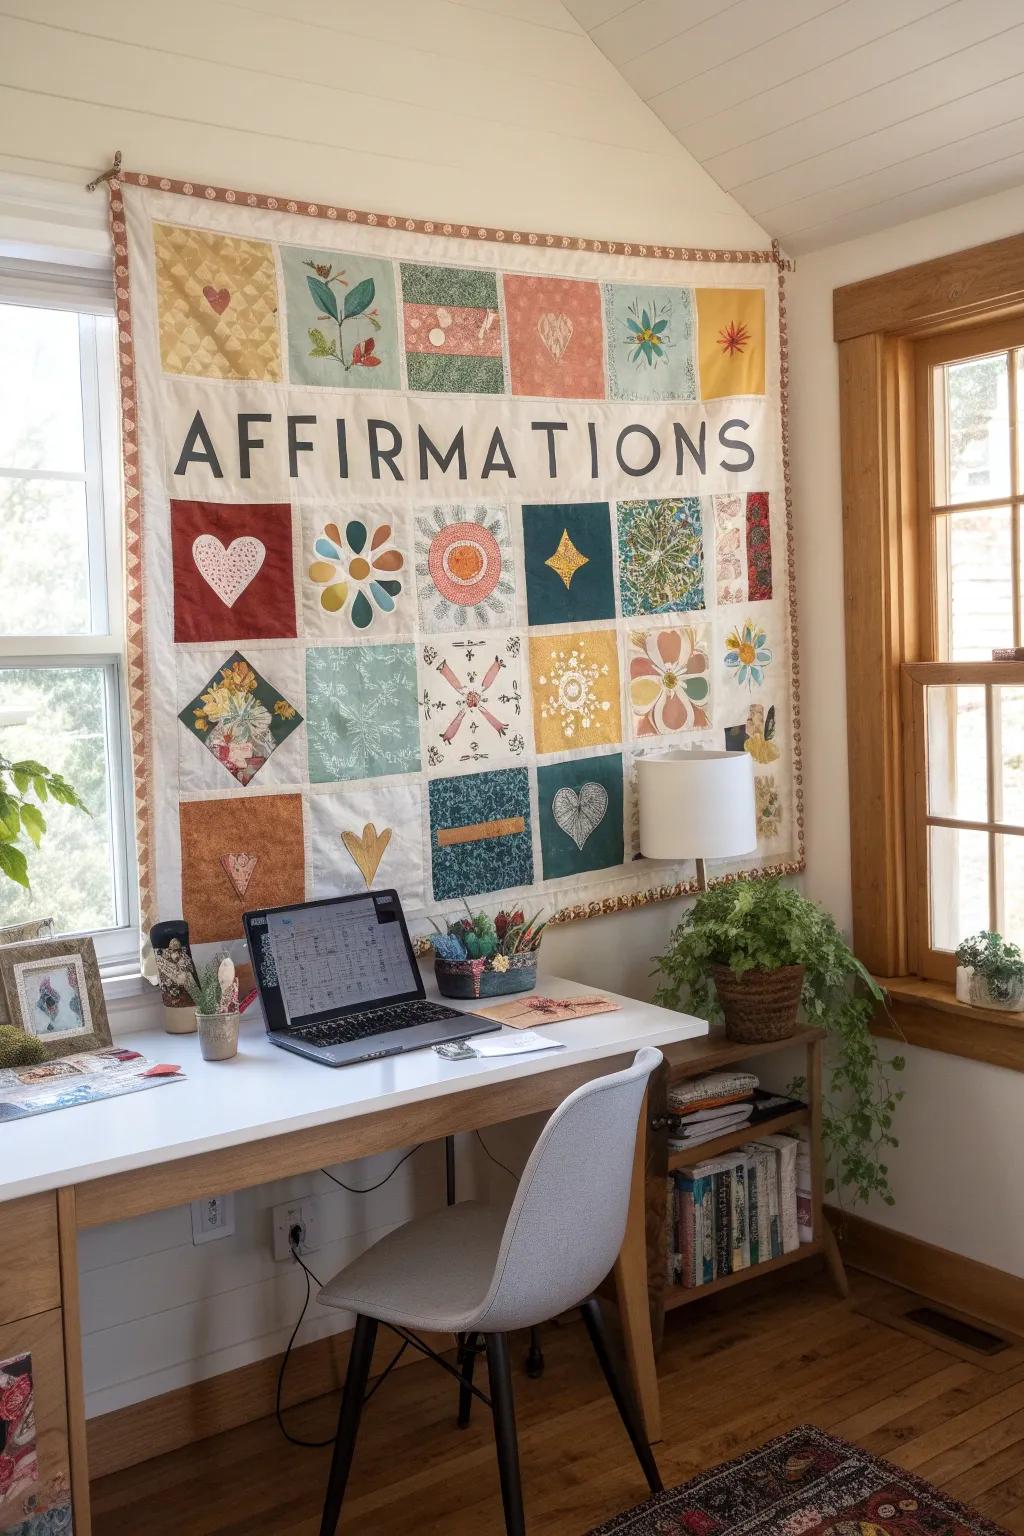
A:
x,y
661,556
240,718
236,855
362,714
465,568
232,571
481,835
756,734
363,838
730,327
669,684
217,305
452,328
743,547
568,556
342,319
748,654
555,337
650,336
473,701
357,577
574,680
579,805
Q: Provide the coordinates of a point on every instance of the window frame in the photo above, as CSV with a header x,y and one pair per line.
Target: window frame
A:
x,y
84,292
877,324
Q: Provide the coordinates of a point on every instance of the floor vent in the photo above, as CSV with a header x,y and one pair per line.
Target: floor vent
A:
x,y
956,1333
958,1330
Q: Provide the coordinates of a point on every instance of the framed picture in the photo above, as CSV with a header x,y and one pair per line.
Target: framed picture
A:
x,y
52,990
21,933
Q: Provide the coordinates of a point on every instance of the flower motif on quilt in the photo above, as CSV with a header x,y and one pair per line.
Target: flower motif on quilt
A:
x,y
355,576
575,690
760,733
747,652
473,702
464,568
661,556
767,807
240,718
338,300
650,342
647,329
668,680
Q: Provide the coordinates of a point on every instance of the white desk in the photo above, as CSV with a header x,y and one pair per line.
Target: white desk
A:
x,y
268,1114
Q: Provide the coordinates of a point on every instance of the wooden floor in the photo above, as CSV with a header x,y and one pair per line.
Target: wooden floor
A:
x,y
735,1370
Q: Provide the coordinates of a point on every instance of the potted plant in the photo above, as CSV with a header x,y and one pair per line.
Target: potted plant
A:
x,y
479,956
214,990
722,959
993,972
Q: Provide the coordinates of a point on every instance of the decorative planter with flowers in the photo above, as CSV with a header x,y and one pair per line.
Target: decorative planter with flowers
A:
x,y
990,973
480,956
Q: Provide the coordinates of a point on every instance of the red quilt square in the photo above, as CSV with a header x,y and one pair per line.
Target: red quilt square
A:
x,y
232,571
555,337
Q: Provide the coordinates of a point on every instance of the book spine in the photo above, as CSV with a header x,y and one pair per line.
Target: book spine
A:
x,y
787,1196
723,1223
774,1209
754,1208
704,1229
685,1217
740,1231
765,1178
671,1234
804,1199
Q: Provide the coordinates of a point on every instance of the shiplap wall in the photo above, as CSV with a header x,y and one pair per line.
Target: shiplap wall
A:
x,y
498,111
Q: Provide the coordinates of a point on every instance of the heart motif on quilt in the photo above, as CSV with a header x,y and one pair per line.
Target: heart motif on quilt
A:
x,y
228,571
368,850
555,332
239,868
579,813
217,298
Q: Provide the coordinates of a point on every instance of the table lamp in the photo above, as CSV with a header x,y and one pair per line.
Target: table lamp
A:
x,y
696,805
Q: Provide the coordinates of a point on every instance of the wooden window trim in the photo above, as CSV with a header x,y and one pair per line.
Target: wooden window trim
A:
x,y
876,324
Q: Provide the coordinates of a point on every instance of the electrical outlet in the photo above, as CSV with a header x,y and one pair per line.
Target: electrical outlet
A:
x,y
297,1213
213,1216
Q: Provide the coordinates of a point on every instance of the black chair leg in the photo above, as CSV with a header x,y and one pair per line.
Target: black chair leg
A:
x,y
348,1421
534,1356
468,1344
503,1408
619,1388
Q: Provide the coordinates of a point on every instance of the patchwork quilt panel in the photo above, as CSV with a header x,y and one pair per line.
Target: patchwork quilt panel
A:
x,y
432,532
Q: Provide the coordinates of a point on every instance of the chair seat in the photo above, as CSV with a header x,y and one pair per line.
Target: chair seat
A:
x,y
432,1274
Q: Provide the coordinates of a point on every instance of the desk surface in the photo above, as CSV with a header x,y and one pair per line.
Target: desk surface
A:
x,y
265,1091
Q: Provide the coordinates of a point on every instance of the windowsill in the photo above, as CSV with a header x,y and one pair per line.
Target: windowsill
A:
x,y
929,1014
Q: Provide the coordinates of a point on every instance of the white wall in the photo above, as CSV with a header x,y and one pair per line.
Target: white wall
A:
x,y
955,1173
497,111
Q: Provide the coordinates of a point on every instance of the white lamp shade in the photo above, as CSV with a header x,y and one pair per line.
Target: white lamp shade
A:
x,y
696,805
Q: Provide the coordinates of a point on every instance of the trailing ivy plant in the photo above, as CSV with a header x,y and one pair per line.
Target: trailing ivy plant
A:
x,y
763,925
24,786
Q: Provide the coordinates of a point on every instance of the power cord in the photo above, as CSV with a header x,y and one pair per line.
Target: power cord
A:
x,y
496,1160
380,1184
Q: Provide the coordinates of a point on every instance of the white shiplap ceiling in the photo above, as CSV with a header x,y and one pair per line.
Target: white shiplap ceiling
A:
x,y
829,120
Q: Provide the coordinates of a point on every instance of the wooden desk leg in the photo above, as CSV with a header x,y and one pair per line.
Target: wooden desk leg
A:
x,y
67,1229
823,1231
631,1289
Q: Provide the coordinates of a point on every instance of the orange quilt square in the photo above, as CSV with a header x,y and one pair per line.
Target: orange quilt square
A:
x,y
555,337
237,855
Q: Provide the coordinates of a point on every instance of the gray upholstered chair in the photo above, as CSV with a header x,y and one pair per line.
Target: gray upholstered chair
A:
x,y
476,1271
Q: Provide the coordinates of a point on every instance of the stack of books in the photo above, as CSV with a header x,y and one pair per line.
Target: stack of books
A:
x,y
744,1207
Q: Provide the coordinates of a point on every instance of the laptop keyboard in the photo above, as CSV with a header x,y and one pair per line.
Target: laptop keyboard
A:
x,y
375,1021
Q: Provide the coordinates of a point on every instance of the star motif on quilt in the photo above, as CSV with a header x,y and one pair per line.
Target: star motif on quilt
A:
x,y
464,568
240,718
472,701
567,560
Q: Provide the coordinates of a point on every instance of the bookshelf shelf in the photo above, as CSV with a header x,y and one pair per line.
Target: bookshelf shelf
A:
x,y
704,1151
679,1295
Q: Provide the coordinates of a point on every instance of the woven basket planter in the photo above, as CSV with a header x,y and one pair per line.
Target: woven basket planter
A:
x,y
759,1005
477,978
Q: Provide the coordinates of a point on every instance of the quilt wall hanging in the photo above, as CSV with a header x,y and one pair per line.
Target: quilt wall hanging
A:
x,y
431,531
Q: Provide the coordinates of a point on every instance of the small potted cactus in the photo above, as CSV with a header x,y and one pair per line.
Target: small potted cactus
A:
x,y
481,956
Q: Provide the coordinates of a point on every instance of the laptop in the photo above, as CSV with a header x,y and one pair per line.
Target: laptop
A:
x,y
340,984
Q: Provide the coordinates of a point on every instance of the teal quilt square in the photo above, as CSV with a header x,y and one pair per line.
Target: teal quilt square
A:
x,y
661,556
480,833
580,810
362,718
568,554
650,334
343,326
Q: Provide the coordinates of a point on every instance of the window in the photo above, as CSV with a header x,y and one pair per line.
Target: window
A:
x,y
966,792
61,639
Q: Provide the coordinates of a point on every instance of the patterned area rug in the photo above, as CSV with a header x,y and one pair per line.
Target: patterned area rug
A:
x,y
805,1483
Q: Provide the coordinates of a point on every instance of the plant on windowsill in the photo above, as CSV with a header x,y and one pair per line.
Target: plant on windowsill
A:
x,y
994,972
758,929
19,813
480,956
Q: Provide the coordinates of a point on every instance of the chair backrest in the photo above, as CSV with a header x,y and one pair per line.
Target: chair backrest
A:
x,y
568,1219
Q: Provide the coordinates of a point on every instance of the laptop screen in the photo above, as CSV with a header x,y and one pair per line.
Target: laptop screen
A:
x,y
334,957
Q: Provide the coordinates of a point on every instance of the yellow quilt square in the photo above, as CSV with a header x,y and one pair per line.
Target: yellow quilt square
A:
x,y
217,305
730,341
575,684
